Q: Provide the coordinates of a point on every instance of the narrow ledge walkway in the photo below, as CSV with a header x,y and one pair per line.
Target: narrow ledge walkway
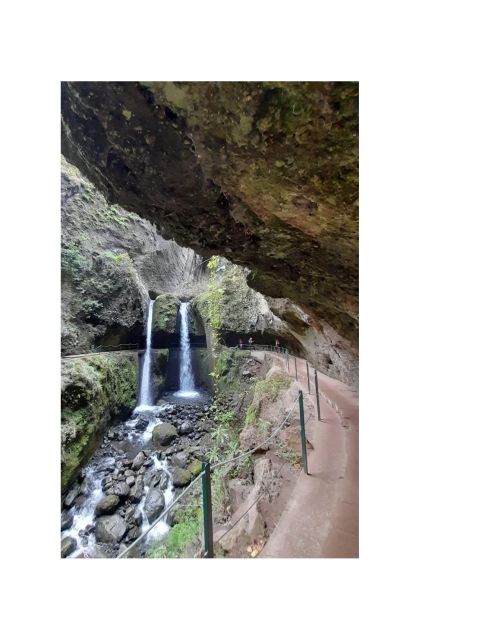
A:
x,y
321,519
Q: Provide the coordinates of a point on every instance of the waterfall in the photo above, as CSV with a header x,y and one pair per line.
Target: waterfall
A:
x,y
186,377
145,391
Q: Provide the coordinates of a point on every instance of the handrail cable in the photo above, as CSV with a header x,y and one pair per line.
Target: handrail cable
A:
x,y
164,513
250,451
261,494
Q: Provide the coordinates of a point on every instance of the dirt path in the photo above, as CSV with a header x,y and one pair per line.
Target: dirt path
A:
x,y
321,517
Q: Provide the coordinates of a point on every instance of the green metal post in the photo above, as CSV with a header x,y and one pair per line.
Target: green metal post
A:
x,y
296,373
302,431
207,511
308,376
288,364
317,396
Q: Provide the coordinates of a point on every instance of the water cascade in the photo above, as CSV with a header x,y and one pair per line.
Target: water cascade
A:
x,y
186,376
145,391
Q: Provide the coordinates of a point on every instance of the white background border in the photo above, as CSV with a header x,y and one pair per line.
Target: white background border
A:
x,y
417,297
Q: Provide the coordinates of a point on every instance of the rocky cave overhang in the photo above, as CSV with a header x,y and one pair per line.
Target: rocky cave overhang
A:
x,y
264,173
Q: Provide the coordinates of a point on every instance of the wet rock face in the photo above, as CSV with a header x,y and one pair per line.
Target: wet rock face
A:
x,y
110,528
264,173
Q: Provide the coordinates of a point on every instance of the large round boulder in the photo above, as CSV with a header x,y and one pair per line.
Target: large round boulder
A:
x,y
107,505
110,528
163,434
154,504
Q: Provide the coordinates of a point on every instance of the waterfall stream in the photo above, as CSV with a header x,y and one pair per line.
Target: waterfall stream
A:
x,y
145,399
186,376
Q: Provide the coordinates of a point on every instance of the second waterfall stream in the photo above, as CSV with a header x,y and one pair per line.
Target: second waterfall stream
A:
x,y
186,376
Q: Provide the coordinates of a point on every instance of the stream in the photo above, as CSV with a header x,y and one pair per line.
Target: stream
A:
x,y
128,481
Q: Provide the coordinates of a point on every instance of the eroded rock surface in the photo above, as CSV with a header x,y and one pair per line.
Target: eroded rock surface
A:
x,y
265,173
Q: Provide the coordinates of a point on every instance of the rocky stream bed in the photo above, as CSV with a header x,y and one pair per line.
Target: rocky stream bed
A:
x,y
133,477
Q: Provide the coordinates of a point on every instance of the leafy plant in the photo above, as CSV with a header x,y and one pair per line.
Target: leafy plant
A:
x,y
183,534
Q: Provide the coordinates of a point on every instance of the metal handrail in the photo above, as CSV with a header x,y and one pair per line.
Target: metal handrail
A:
x,y
163,514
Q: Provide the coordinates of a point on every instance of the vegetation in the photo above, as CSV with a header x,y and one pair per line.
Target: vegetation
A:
x,y
93,390
271,387
165,311
183,535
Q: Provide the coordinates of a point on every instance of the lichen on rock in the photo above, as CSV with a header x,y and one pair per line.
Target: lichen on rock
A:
x,y
94,390
265,173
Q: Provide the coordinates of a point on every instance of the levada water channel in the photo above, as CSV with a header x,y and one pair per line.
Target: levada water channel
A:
x,y
134,474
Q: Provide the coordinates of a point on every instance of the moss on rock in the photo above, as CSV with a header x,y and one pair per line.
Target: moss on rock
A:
x,y
94,390
164,317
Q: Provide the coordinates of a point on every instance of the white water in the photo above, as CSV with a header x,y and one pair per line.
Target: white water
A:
x,y
161,529
186,376
145,399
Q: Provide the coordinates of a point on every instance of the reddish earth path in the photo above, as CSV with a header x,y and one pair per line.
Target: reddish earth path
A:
x,y
322,514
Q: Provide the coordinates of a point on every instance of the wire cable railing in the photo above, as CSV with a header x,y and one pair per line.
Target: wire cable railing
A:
x,y
161,517
205,474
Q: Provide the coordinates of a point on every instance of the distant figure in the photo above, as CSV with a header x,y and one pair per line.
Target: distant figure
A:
x,y
277,344
250,342
241,344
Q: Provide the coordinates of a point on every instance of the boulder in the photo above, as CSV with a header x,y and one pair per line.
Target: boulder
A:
x,y
136,491
133,533
138,461
180,477
185,427
179,459
66,520
154,504
71,496
68,545
154,476
110,528
107,505
121,489
130,481
163,434
195,467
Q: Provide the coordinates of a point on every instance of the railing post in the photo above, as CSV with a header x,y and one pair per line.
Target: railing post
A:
x,y
317,396
296,373
207,511
288,364
308,376
302,432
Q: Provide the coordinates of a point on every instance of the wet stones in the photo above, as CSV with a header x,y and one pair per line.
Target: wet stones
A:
x,y
68,545
179,459
66,520
185,428
107,505
180,477
110,529
163,434
136,491
121,489
138,461
71,496
154,504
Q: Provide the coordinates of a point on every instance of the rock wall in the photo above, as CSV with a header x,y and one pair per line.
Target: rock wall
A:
x,y
94,390
112,262
246,312
265,173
